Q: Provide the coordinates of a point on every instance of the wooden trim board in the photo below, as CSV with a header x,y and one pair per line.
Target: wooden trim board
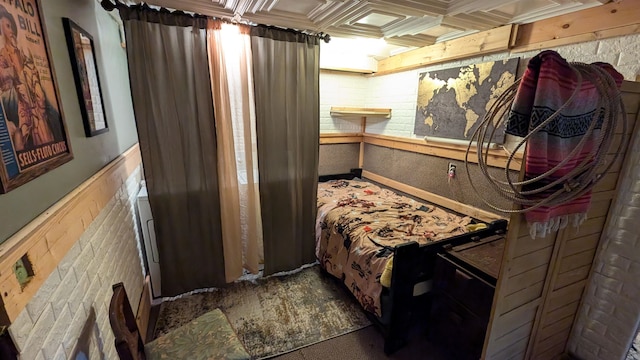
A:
x,y
46,239
482,43
589,24
496,157
340,138
434,198
589,36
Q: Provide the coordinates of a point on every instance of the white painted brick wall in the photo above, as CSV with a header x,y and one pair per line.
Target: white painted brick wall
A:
x,y
399,91
107,253
341,89
610,313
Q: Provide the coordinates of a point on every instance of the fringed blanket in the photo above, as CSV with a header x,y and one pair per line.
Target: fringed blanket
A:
x,y
359,224
547,84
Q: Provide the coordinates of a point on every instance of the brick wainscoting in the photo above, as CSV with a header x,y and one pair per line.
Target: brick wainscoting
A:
x,y
74,300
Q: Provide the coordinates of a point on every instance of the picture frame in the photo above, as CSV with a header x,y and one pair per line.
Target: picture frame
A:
x,y
467,91
85,72
33,134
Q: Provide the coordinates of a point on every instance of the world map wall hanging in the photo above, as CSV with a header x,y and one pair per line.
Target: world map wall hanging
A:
x,y
452,102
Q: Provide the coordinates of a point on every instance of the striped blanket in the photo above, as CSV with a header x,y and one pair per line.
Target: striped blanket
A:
x,y
547,84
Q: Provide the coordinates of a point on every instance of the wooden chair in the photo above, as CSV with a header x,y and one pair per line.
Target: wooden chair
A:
x,y
208,337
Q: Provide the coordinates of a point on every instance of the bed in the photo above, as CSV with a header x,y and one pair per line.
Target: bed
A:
x,y
383,247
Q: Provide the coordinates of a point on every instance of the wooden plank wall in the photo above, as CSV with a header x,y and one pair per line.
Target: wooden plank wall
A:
x,y
616,18
541,281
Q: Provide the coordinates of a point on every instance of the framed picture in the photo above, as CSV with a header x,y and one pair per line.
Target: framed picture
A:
x,y
33,134
85,72
452,102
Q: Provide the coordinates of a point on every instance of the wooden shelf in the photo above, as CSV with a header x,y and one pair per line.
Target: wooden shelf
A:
x,y
354,111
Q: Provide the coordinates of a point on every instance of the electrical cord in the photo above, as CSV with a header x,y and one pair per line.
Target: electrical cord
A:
x,y
583,177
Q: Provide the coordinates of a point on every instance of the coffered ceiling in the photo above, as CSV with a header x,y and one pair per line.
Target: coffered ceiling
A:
x,y
407,23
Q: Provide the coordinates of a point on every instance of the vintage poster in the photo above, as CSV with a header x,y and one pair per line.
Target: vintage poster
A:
x,y
33,137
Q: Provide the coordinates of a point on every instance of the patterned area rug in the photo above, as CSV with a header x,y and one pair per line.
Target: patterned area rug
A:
x,y
275,315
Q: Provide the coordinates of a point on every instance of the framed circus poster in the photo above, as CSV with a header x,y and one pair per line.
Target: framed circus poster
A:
x,y
33,134
85,72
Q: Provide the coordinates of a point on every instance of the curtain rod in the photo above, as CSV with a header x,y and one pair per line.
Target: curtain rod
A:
x,y
110,5
322,36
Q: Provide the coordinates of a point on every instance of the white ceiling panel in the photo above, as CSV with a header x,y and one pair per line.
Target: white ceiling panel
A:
x,y
377,19
297,6
403,22
439,31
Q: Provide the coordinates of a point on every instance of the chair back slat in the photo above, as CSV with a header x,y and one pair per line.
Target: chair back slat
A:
x,y
128,341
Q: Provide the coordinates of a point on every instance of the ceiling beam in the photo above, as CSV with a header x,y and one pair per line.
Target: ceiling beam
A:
x,y
584,22
486,42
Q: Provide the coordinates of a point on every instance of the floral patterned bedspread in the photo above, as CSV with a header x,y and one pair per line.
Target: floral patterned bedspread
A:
x,y
359,223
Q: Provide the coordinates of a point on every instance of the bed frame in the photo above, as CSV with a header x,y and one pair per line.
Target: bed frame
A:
x,y
413,263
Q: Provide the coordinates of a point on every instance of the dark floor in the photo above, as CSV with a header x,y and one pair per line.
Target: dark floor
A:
x,y
365,344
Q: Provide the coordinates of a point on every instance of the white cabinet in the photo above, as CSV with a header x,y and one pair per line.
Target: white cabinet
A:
x,y
149,236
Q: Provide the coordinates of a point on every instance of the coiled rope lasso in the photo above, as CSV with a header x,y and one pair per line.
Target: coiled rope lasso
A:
x,y
576,182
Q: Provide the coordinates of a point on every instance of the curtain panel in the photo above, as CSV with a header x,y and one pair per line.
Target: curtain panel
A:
x,y
170,85
232,87
286,82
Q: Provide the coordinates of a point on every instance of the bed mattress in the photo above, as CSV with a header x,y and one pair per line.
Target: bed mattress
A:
x,y
359,223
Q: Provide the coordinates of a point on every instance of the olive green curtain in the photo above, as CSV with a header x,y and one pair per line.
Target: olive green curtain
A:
x,y
169,70
286,82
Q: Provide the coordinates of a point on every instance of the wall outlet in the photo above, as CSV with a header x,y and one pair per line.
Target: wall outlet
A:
x,y
451,170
